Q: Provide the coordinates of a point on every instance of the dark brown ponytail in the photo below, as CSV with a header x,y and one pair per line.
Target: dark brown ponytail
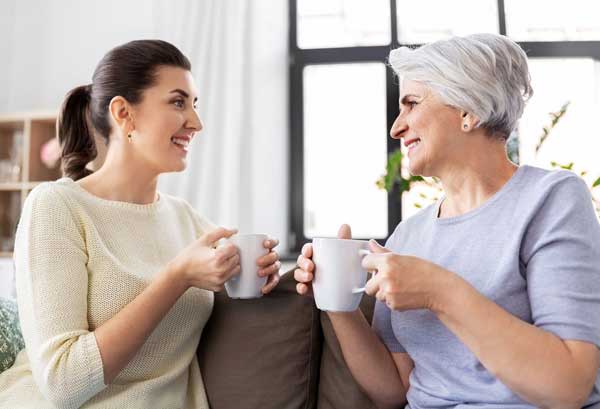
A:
x,y
74,136
124,71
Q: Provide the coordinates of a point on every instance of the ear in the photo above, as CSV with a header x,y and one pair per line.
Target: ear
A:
x,y
122,114
468,121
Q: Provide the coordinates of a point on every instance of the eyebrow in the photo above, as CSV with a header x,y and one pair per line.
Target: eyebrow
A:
x,y
182,93
405,98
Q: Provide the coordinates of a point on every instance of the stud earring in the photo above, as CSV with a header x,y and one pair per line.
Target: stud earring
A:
x,y
465,126
129,137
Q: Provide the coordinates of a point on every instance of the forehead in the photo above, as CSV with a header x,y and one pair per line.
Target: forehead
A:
x,y
170,78
408,86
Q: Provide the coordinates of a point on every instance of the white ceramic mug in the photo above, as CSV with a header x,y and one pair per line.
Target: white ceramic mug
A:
x,y
247,284
339,278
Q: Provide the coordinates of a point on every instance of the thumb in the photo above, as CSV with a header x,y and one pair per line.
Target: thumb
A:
x,y
345,232
212,237
376,247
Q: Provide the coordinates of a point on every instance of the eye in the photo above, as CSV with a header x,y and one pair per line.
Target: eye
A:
x,y
179,103
411,103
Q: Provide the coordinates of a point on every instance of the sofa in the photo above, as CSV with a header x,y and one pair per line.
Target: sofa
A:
x,y
274,352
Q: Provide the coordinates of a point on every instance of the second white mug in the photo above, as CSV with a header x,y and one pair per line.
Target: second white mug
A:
x,y
339,278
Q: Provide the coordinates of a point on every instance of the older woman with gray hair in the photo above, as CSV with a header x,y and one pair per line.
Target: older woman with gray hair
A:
x,y
489,298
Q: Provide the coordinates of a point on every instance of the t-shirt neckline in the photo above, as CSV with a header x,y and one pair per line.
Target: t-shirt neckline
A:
x,y
508,186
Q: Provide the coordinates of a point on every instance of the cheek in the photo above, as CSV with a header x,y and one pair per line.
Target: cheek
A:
x,y
162,126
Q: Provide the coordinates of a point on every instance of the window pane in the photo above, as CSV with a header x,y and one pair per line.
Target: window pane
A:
x,y
552,20
345,139
430,20
576,137
343,23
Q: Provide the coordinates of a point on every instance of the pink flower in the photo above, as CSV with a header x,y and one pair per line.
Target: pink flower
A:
x,y
50,153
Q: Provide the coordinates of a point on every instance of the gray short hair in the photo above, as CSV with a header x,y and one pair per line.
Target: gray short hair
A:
x,y
483,74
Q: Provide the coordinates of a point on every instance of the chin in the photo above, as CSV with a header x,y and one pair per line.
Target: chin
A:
x,y
415,169
180,167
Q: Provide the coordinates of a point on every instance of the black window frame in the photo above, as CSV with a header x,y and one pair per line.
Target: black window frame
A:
x,y
300,58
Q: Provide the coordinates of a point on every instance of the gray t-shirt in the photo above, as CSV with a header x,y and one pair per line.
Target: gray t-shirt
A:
x,y
534,249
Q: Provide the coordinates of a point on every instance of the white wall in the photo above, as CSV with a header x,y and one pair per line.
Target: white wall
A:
x,y
49,47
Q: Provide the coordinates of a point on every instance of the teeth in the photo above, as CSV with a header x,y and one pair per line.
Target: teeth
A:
x,y
414,143
180,142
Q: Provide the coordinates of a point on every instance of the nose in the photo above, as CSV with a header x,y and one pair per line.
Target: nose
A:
x,y
399,127
193,121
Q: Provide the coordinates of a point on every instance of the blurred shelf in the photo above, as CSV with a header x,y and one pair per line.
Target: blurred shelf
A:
x,y
22,136
11,186
18,186
17,118
30,185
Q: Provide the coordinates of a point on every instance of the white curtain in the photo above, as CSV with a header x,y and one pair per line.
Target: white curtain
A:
x,y
237,166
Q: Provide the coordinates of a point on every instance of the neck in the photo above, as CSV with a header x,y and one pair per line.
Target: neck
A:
x,y
122,178
472,180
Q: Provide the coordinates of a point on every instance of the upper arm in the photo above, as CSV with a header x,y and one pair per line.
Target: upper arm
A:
x,y
51,271
561,255
382,325
52,290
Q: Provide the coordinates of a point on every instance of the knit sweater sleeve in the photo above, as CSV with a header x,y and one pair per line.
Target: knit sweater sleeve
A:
x,y
52,290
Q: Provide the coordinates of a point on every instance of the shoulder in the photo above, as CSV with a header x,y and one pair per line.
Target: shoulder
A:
x,y
48,207
187,211
553,185
49,196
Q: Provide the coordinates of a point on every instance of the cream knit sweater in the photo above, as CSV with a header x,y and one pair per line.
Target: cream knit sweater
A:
x,y
79,260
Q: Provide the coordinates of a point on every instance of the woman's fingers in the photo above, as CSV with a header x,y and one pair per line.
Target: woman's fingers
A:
x,y
270,243
229,264
303,276
307,250
271,269
212,237
271,283
305,263
267,259
304,289
225,252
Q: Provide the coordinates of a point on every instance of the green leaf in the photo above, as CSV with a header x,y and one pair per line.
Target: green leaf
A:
x,y
596,183
568,167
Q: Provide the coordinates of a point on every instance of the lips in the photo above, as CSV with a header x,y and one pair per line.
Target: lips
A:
x,y
182,141
411,143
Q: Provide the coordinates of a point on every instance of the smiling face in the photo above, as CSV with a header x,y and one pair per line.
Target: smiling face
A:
x,y
429,128
166,120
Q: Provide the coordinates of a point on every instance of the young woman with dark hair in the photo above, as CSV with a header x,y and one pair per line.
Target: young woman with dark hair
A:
x,y
115,280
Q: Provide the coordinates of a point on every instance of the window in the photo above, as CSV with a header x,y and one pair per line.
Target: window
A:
x,y
343,23
343,148
343,98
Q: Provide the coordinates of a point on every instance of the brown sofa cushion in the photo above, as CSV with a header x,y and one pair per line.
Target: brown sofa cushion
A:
x,y
337,387
262,353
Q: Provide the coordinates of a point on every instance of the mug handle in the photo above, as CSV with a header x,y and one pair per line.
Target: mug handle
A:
x,y
362,253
